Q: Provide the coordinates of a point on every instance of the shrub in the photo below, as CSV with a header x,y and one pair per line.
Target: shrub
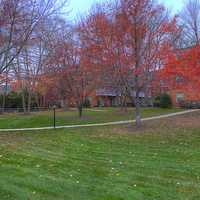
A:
x,y
156,102
165,101
86,103
190,104
12,101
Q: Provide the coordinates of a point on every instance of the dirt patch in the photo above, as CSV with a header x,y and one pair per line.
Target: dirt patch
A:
x,y
190,120
186,121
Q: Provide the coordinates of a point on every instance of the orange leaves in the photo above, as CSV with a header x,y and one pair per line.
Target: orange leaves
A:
x,y
184,65
131,41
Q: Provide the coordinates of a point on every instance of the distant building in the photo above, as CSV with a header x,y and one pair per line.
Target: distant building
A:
x,y
181,89
111,97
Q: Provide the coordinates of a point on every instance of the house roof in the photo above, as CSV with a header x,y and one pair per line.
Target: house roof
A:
x,y
110,92
107,92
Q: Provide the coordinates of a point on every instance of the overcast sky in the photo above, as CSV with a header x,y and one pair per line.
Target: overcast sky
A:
x,y
80,6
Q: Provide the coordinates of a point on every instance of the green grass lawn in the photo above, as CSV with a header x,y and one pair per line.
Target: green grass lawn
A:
x,y
43,119
159,162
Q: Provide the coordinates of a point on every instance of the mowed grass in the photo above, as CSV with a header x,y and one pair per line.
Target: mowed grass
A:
x,y
161,161
96,115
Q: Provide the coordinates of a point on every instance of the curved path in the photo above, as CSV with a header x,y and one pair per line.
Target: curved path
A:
x,y
101,124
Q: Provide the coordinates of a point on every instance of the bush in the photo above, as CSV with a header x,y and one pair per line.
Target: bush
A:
x,y
86,103
190,104
13,100
156,102
165,101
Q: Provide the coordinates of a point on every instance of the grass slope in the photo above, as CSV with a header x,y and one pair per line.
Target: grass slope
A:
x,y
159,162
43,119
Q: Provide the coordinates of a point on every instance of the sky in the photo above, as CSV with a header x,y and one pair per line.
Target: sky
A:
x,y
78,7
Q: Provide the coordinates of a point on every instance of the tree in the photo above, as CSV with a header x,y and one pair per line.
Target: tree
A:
x,y
190,23
29,56
29,66
18,20
67,63
129,45
102,34
5,81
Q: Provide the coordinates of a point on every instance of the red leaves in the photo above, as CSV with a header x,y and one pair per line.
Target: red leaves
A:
x,y
182,70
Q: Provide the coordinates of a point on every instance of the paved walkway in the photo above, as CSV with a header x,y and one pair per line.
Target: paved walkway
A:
x,y
101,124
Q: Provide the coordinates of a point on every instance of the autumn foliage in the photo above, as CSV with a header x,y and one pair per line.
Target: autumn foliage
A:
x,y
130,46
182,70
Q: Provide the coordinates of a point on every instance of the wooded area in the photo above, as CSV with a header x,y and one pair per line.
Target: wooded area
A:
x,y
129,45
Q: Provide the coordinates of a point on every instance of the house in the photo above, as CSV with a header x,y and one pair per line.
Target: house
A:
x,y
107,97
187,92
112,97
181,79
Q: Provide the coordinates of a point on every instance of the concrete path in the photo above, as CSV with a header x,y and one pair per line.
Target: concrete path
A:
x,y
101,124
96,110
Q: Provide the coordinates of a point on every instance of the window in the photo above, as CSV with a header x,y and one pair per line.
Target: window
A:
x,y
162,82
179,97
179,79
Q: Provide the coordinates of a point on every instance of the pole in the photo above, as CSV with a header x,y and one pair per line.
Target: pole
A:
x,y
54,117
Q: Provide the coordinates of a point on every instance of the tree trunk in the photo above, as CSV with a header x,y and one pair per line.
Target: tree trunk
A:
x,y
80,110
64,104
29,103
3,103
23,102
137,90
5,93
37,100
44,101
124,104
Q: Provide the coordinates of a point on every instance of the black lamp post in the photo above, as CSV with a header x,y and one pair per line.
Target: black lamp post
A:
x,y
54,116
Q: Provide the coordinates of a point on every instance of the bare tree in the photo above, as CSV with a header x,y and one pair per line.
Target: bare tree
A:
x,y
190,23
28,68
18,19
